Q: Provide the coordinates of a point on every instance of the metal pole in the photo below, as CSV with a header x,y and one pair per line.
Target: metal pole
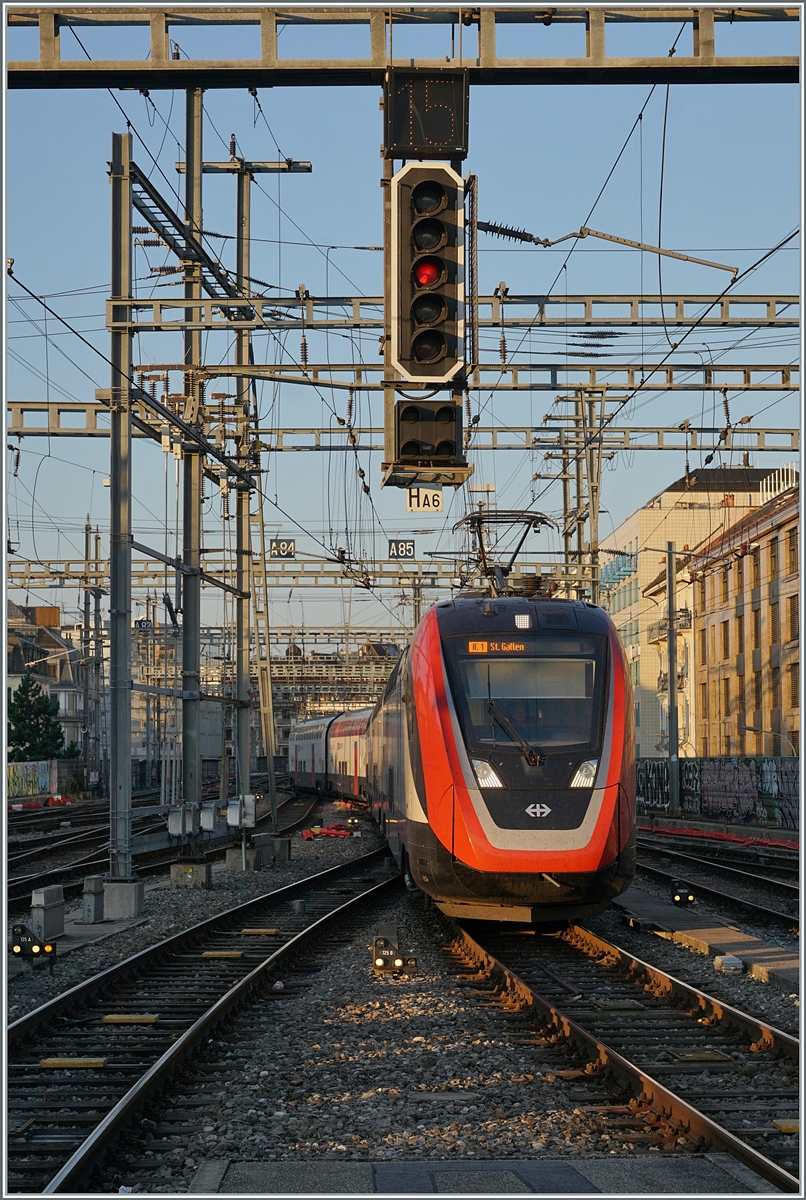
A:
x,y
566,478
120,670
192,474
100,757
85,654
242,531
671,655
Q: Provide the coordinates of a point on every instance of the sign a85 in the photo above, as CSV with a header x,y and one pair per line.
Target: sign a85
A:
x,y
283,548
401,549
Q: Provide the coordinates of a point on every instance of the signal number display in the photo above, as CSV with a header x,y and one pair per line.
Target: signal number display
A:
x,y
283,548
398,549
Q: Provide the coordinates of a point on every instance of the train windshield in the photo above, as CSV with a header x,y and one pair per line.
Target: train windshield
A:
x,y
543,691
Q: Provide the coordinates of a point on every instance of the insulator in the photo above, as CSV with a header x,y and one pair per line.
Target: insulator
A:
x,y
303,351
467,406
149,242
360,472
350,407
366,487
503,347
142,229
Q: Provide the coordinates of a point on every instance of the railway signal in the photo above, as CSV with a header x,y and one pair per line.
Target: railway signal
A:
x,y
427,273
682,894
429,432
387,956
25,944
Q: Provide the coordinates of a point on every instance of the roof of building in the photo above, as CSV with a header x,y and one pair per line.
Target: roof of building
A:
x,y
719,479
738,534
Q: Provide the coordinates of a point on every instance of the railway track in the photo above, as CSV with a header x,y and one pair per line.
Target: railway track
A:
x,y
785,863
76,1078
761,913
294,810
783,888
702,1075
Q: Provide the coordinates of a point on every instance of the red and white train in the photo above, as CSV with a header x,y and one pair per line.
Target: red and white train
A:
x,y
500,760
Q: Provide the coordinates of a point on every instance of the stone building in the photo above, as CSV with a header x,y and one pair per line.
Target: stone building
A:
x,y
747,633
692,511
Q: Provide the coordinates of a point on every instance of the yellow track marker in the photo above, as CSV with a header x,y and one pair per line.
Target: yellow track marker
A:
x,y
222,954
130,1019
784,1126
64,1063
259,932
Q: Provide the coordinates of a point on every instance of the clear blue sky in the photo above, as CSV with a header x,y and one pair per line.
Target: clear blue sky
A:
x,y
731,191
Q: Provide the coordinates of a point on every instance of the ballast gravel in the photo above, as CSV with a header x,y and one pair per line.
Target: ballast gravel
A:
x,y
768,1001
358,1066
169,911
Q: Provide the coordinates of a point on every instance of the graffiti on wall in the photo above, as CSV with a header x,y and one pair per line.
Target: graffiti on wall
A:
x,y
30,778
742,790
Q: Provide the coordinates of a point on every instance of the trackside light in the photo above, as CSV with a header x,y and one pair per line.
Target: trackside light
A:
x,y
17,949
378,962
35,949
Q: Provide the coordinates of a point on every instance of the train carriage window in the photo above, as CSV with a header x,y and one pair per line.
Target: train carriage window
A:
x,y
551,690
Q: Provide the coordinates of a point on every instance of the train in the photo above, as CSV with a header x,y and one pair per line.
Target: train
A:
x,y
499,761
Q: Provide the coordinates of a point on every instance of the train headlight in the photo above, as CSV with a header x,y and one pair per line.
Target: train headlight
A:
x,y
585,774
485,775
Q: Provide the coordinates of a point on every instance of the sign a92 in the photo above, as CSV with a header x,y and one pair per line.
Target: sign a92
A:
x,y
401,549
283,548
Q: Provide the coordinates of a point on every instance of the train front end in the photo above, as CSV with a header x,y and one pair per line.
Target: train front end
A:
x,y
522,753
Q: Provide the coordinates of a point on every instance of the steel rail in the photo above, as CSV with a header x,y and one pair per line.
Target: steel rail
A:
x,y
77,1167
73,889
24,1026
718,868
754,910
665,1102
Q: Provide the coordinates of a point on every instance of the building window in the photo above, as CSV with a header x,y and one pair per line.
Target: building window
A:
x,y
757,691
703,647
756,628
740,635
725,584
704,701
756,568
725,697
701,594
637,708
775,624
774,558
740,692
794,617
725,632
794,698
775,687
792,550
713,643
739,574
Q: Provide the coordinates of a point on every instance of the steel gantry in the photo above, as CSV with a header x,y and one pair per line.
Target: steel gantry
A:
x,y
473,47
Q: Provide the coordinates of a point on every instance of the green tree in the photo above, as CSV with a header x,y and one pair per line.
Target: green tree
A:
x,y
71,752
34,732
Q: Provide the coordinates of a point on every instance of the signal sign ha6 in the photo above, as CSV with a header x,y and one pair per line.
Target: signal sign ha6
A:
x,y
427,268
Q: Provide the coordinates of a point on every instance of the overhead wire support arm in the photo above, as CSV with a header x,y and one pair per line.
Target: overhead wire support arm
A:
x,y
520,235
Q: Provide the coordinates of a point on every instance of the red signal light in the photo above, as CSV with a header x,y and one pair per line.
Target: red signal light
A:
x,y
427,271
